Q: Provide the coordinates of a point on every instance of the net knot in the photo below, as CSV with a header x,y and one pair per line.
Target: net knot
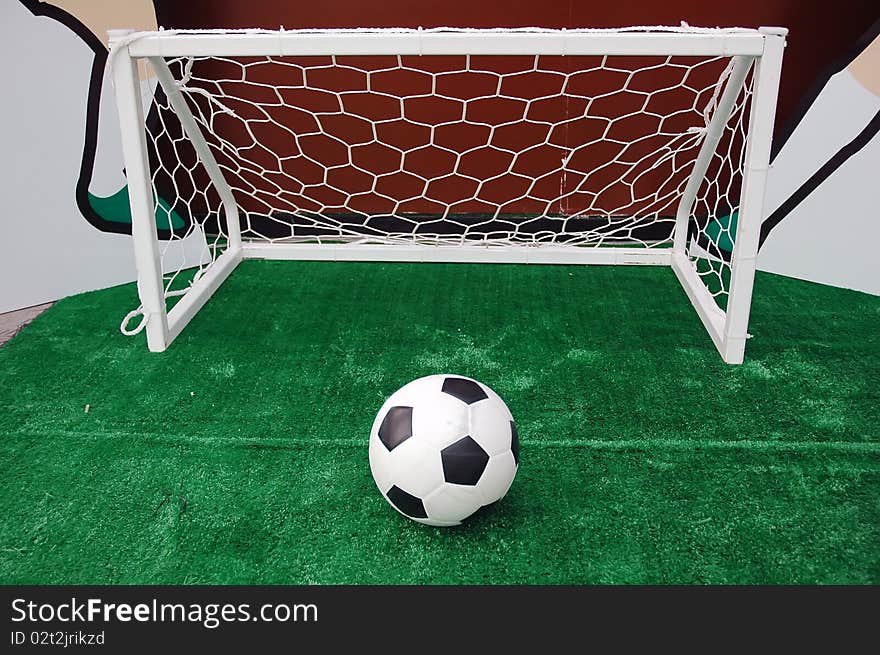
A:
x,y
123,327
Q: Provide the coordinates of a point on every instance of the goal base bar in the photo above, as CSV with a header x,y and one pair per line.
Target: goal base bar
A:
x,y
731,349
199,293
470,254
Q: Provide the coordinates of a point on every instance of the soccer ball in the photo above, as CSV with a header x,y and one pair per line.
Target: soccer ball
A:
x,y
443,446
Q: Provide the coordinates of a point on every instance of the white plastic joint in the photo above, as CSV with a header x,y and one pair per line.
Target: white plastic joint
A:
x,y
774,31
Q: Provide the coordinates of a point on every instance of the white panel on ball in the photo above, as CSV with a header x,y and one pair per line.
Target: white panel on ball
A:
x,y
453,503
380,464
496,479
415,468
440,420
491,427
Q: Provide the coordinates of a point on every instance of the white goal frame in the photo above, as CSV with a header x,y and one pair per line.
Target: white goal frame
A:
x,y
761,49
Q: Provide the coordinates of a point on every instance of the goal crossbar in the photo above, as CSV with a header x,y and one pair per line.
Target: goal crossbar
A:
x,y
746,88
443,42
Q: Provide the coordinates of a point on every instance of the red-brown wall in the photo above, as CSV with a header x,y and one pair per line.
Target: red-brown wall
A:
x,y
821,31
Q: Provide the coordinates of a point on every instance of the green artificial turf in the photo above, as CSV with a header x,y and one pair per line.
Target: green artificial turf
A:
x,y
240,454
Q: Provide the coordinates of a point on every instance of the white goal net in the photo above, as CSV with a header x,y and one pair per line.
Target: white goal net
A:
x,y
549,146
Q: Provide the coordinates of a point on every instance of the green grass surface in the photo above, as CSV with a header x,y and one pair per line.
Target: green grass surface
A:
x,y
240,455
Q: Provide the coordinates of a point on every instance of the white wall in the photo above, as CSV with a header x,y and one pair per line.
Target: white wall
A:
x,y
832,236
47,249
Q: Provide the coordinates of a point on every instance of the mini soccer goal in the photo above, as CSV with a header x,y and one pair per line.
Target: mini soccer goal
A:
x,y
630,146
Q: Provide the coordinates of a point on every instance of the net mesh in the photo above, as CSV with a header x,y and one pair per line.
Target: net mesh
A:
x,y
455,151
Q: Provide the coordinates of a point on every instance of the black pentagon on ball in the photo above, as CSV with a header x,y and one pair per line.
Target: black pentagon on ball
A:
x,y
464,461
396,427
407,503
514,442
465,390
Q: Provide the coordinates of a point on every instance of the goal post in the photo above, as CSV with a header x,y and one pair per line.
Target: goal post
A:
x,y
642,145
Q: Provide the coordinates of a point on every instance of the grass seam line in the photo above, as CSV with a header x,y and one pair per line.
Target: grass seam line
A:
x,y
860,447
